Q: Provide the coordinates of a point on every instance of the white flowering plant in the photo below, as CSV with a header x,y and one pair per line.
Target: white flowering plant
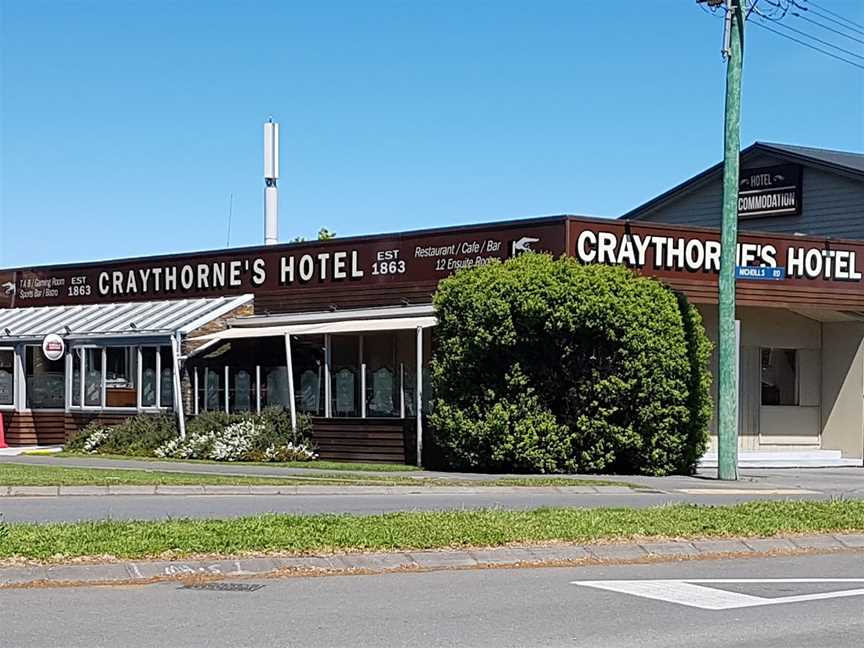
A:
x,y
95,438
239,438
289,452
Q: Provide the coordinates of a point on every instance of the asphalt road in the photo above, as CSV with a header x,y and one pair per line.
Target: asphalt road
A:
x,y
846,482
72,508
477,608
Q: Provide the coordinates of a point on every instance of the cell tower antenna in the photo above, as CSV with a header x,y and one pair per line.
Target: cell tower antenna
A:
x,y
271,175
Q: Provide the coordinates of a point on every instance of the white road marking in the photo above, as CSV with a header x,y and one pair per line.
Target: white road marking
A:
x,y
746,491
693,593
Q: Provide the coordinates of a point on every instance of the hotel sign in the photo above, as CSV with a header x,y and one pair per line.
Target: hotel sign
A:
x,y
770,191
406,268
381,263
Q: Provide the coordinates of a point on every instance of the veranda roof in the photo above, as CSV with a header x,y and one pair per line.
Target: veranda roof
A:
x,y
122,319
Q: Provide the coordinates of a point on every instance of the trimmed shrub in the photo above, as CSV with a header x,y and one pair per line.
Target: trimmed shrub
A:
x,y
211,435
546,365
278,430
137,436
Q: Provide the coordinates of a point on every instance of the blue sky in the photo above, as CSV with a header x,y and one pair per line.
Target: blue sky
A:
x,y
124,126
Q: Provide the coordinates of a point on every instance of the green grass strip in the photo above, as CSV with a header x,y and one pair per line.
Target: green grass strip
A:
x,y
420,530
41,475
29,475
312,465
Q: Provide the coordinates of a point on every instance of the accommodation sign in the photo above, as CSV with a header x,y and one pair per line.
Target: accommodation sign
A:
x,y
770,191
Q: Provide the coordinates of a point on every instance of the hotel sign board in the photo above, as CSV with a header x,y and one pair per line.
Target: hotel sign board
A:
x,y
370,263
770,191
406,268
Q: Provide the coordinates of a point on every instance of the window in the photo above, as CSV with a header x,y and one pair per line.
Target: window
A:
x,y
307,358
75,399
166,377
92,377
382,375
780,376
212,390
241,389
370,376
7,377
149,376
45,380
120,377
345,361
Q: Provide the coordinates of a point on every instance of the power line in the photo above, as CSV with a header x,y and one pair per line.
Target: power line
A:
x,y
818,40
826,10
777,15
805,44
826,27
854,30
786,4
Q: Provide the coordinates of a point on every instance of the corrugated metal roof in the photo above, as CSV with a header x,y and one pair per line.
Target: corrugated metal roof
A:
x,y
845,159
124,319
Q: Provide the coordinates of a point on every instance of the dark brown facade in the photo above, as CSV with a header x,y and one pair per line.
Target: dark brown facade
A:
x,y
406,268
782,271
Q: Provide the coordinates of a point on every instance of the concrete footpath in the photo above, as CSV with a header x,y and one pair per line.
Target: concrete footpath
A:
x,y
143,572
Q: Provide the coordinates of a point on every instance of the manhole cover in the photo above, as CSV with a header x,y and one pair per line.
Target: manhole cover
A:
x,y
224,587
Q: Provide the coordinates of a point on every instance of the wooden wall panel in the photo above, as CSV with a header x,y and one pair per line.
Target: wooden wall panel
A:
x,y
352,439
35,428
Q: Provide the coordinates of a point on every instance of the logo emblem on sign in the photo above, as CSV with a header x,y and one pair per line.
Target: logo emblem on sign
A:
x,y
53,347
522,245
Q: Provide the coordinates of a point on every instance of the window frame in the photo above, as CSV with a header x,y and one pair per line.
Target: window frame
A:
x,y
404,398
21,391
132,350
9,407
796,377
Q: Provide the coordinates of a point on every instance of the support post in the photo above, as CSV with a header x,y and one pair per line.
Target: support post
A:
x,y
362,390
139,376
257,389
227,393
402,390
104,355
81,387
67,401
419,405
292,406
327,386
178,397
362,378
727,432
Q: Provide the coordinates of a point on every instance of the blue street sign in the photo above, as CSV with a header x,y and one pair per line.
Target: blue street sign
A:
x,y
760,273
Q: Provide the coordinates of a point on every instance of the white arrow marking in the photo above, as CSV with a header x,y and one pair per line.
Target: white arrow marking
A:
x,y
693,594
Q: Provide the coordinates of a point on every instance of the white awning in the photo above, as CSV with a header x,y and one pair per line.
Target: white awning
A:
x,y
123,319
344,326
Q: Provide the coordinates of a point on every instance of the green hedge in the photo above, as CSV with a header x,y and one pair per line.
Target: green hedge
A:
x,y
545,365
